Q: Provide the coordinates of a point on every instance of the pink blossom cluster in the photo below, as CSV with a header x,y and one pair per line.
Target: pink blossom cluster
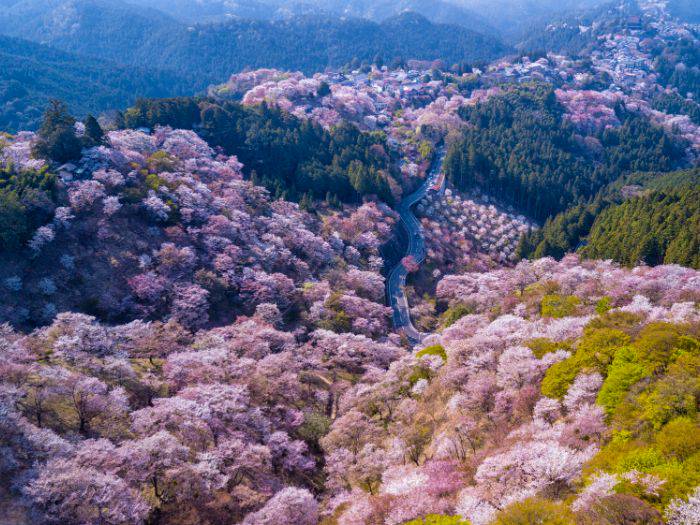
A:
x,y
658,293
590,111
282,90
397,453
440,115
469,232
240,83
594,111
121,411
234,423
473,434
681,126
17,151
183,236
299,95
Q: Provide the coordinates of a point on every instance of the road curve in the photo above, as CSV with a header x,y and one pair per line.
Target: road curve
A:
x,y
416,248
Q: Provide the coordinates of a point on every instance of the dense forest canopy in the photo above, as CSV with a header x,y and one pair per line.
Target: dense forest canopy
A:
x,y
31,74
26,202
642,223
293,158
662,227
210,52
679,67
310,44
519,146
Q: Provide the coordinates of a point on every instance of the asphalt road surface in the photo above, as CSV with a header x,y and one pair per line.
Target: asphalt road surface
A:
x,y
416,248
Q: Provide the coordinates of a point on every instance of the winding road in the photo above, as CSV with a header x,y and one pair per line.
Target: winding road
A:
x,y
416,248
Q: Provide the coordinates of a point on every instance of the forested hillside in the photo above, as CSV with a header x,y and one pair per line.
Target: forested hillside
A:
x,y
519,146
661,227
576,31
519,19
215,10
31,74
568,230
209,53
567,396
88,27
116,52
438,11
293,158
310,44
166,224
403,275
678,66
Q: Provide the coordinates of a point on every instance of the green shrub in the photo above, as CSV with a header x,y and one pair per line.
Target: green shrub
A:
x,y
438,519
559,377
314,427
339,321
603,306
454,314
675,394
161,161
642,459
542,346
626,322
433,350
419,373
656,343
680,478
622,374
559,306
597,347
679,438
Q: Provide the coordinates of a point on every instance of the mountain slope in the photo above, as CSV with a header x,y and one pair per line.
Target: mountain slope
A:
x,y
439,11
312,44
102,28
95,35
209,53
660,227
515,18
573,32
31,74
189,11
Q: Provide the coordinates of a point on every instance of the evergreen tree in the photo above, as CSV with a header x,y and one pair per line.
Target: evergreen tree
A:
x,y
57,139
324,89
94,136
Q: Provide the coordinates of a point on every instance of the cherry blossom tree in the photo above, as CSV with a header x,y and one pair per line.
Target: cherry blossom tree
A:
x,y
290,506
66,493
686,512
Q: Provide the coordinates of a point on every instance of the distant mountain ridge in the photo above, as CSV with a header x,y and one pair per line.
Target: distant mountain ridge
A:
x,y
514,19
314,43
209,52
571,32
438,11
88,27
